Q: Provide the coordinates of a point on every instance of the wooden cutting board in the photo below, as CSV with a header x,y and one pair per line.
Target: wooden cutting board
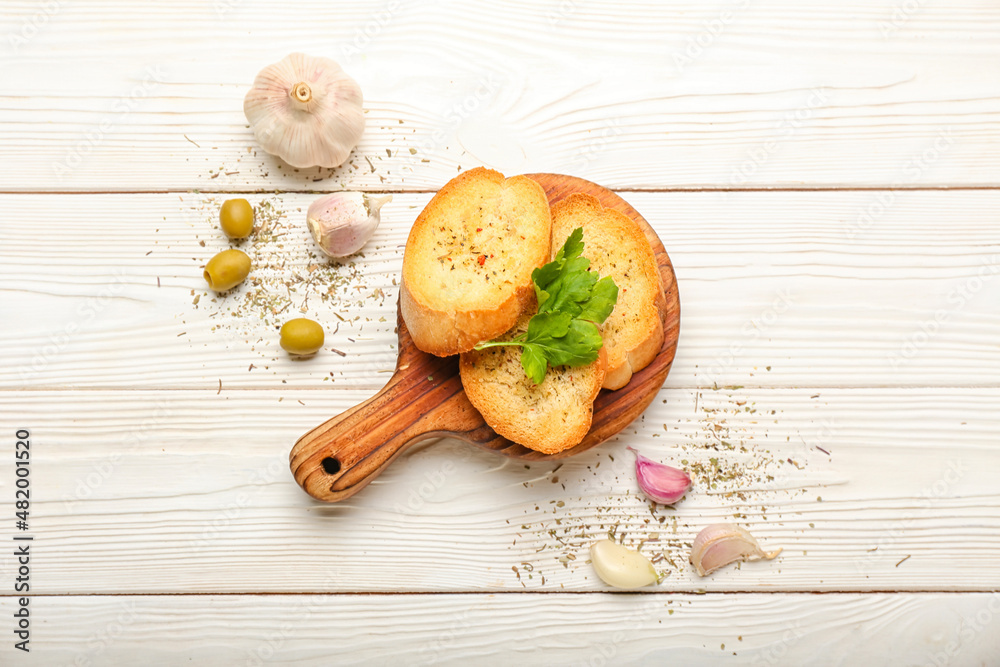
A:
x,y
424,397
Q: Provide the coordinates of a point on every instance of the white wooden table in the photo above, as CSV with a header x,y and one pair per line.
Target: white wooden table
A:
x,y
825,177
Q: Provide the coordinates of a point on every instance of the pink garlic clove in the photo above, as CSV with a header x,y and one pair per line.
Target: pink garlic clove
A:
x,y
720,544
341,223
660,483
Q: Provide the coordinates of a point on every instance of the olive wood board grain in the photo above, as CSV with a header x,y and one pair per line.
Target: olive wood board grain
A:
x,y
424,397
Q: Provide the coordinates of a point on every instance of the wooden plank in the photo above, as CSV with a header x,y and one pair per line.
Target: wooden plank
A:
x,y
189,491
850,629
730,94
776,288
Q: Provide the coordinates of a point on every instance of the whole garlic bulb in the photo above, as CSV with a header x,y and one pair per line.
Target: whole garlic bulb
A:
x,y
341,223
306,110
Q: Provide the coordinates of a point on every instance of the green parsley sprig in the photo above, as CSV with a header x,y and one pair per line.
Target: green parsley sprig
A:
x,y
572,301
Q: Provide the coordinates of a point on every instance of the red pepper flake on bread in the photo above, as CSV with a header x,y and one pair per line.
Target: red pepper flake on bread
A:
x,y
452,298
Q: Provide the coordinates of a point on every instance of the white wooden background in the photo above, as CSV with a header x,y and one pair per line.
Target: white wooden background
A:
x,y
825,177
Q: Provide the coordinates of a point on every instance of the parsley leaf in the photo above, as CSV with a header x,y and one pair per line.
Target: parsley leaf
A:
x,y
572,301
533,362
563,281
602,301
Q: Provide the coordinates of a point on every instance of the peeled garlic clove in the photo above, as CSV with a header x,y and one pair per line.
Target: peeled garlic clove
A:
x,y
723,543
306,110
343,222
661,483
621,567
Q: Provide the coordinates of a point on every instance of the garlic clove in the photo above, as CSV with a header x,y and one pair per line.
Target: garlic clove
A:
x,y
341,223
621,567
306,110
660,483
723,543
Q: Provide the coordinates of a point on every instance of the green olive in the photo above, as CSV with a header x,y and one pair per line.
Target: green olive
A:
x,y
227,269
301,336
236,218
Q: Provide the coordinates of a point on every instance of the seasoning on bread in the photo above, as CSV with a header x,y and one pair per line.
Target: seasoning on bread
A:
x,y
548,417
617,247
469,257
571,301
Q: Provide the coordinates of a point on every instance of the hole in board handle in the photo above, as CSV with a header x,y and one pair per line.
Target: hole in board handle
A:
x,y
331,465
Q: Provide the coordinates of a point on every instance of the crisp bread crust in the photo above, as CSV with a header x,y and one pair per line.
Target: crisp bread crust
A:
x,y
616,246
469,257
549,417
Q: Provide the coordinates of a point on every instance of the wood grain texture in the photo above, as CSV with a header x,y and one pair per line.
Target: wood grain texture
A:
x,y
424,397
835,388
645,94
781,289
189,492
848,629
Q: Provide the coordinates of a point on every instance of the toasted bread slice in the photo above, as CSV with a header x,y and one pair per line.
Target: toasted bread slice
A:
x,y
617,247
469,257
548,417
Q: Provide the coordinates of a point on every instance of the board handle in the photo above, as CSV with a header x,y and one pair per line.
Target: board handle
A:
x,y
423,399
